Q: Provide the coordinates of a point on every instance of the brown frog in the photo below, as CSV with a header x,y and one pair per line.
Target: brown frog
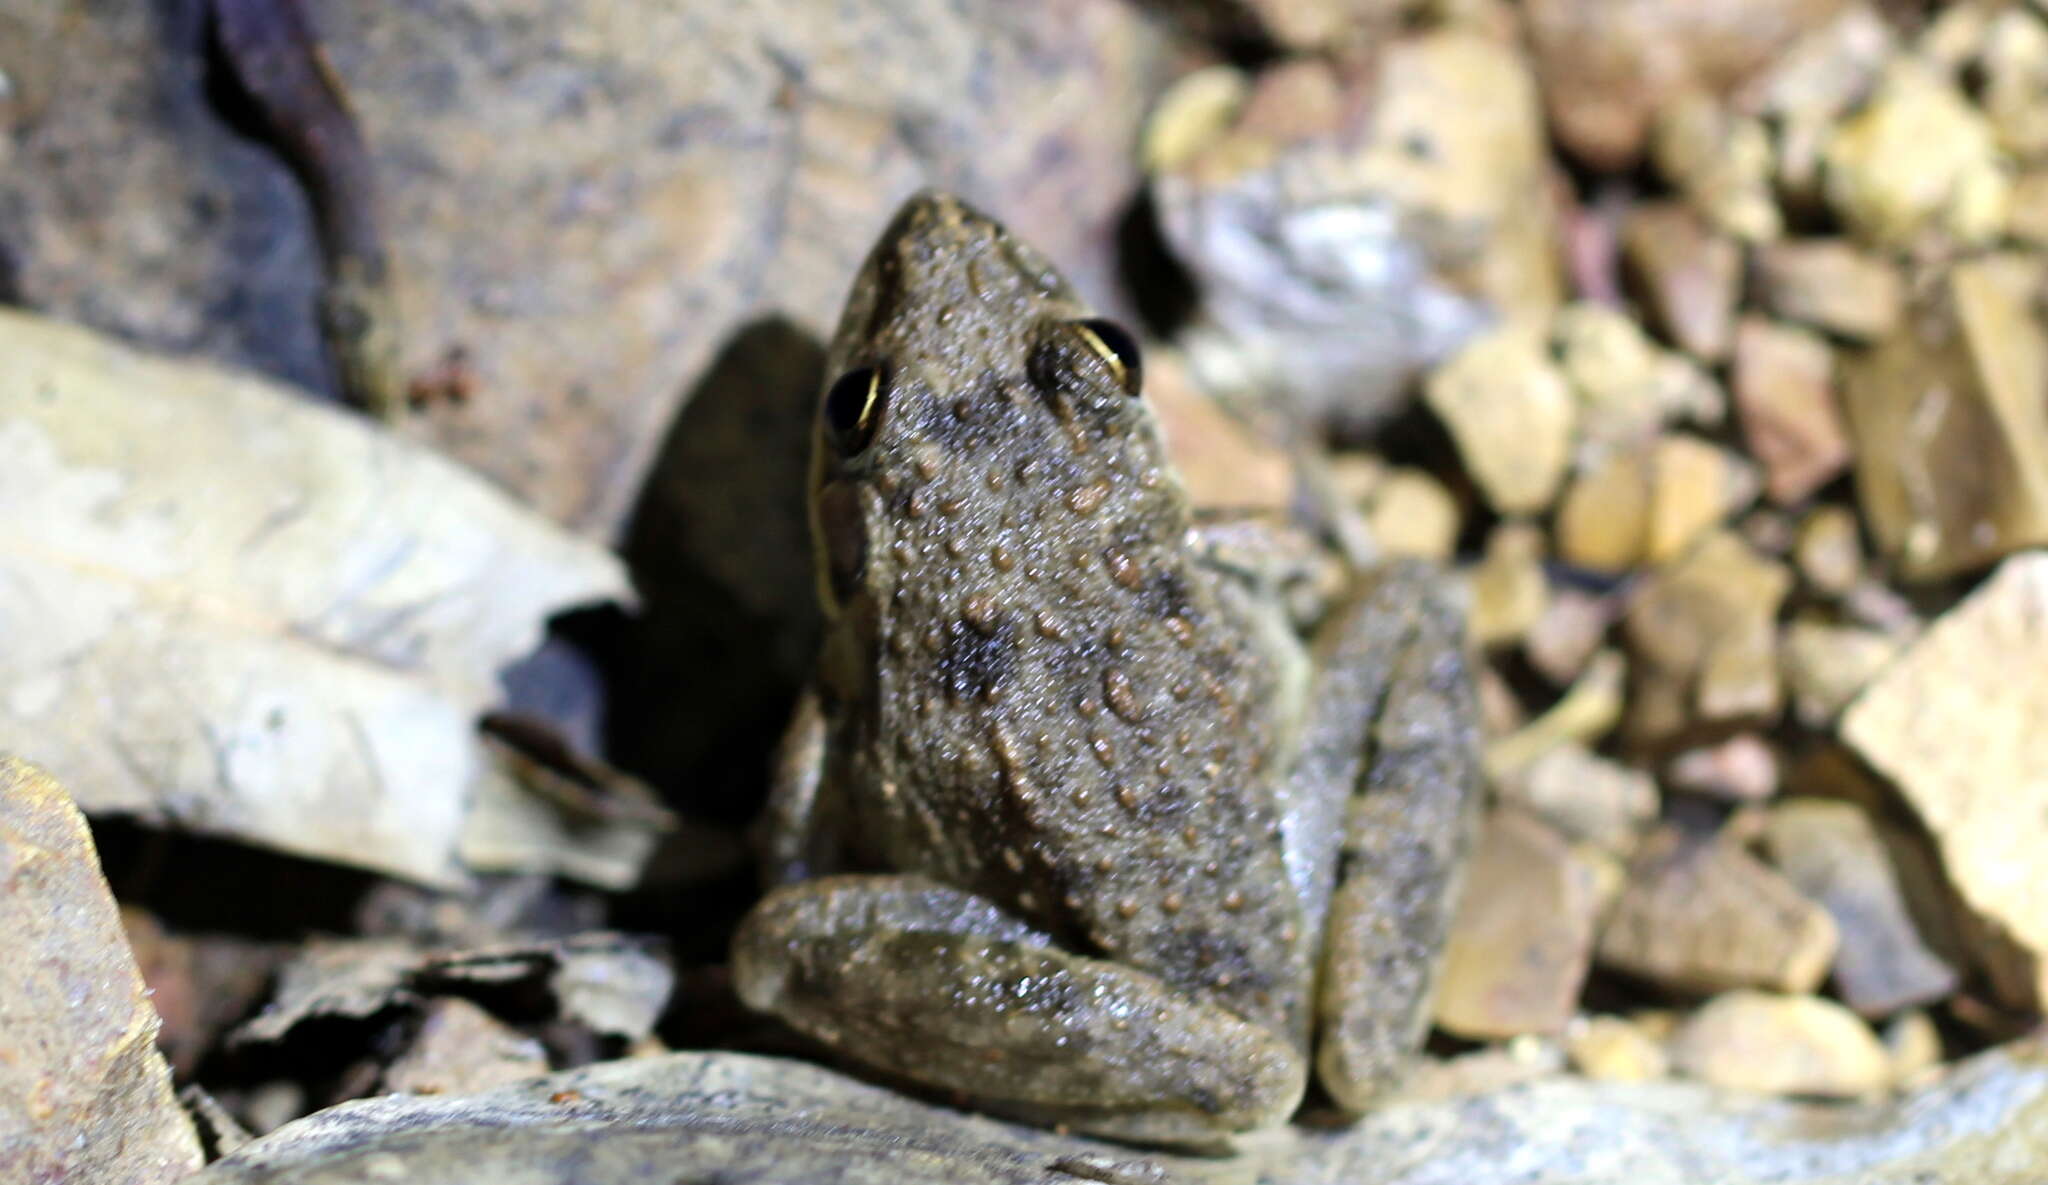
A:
x,y
1076,827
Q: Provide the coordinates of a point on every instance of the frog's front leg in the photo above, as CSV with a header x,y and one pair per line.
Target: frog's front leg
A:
x,y
945,988
1391,665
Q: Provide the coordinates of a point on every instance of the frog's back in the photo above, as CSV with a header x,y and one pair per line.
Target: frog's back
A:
x,y
1056,706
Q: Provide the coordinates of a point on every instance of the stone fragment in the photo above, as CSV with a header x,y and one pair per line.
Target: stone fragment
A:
x,y
1916,158
1411,513
1956,724
1703,915
2027,217
1522,939
1222,464
1603,524
1721,162
1500,709
1508,586
1615,1049
84,1094
1703,631
1829,550
1693,485
1743,768
1776,1044
1304,222
1691,275
1950,425
1826,665
1626,387
1785,397
1512,415
2014,68
1584,714
1585,796
460,1048
1831,852
1573,625
1814,81
1831,285
1607,67
1914,1045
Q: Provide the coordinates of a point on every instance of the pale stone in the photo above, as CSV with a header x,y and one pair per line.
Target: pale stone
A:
x,y
1693,485
1690,273
1615,1049
1829,550
1521,942
1512,415
1784,387
1917,157
1950,424
1586,796
1704,631
1956,724
1509,590
1411,513
1826,665
1586,712
1703,915
1743,768
1831,284
1832,853
1774,1044
1603,525
1573,625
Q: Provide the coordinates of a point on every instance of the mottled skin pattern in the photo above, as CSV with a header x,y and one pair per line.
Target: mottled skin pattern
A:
x,y
1103,830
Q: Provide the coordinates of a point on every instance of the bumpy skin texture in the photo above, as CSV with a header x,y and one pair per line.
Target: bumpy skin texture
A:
x,y
1101,785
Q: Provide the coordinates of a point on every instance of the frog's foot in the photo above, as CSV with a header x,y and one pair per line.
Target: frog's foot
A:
x,y
944,988
1408,826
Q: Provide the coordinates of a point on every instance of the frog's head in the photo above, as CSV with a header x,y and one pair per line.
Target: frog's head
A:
x,y
974,407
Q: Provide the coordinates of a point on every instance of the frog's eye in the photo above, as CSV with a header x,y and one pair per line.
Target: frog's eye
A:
x,y
853,406
1117,348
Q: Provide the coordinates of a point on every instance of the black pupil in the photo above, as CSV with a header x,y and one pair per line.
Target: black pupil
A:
x,y
1124,346
849,412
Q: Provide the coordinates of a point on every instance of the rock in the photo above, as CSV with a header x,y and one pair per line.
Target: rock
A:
x,y
1773,1044
460,1048
1826,665
1609,65
1614,1049
2027,218
1831,285
1721,162
1829,550
1914,1045
2014,65
1411,513
1785,396
1509,590
1585,796
1522,939
1500,710
1603,524
1303,223
1693,485
1831,852
1573,625
1704,632
775,1121
1512,415
1703,915
1691,274
84,1094
1743,768
1584,714
1951,431
1625,385
1917,158
1955,723
1222,464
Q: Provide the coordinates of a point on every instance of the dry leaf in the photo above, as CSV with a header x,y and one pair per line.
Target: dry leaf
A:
x,y
232,610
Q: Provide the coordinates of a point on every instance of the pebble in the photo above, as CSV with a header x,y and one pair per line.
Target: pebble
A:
x,y
1779,1044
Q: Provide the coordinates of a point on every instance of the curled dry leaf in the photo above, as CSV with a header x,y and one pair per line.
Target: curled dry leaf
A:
x,y
721,1116
84,1095
231,610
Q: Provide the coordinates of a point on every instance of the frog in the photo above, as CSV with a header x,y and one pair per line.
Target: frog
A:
x,y
1075,823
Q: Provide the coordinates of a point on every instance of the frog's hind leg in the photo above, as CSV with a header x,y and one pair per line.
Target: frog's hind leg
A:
x,y
945,988
1408,823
